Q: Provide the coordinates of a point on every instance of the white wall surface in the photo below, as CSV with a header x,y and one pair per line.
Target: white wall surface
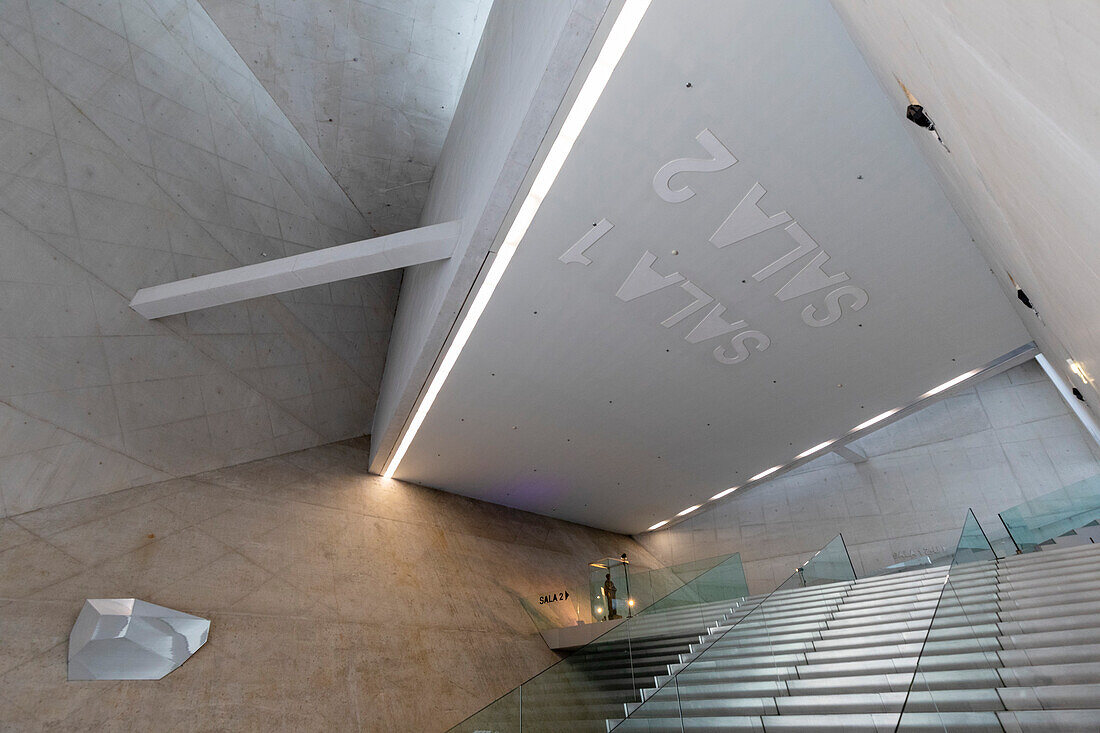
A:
x,y
137,148
528,54
1014,90
1009,439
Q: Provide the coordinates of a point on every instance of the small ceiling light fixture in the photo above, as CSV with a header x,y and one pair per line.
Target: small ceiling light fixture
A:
x,y
660,524
874,420
727,492
949,384
769,472
1077,369
622,31
815,449
689,510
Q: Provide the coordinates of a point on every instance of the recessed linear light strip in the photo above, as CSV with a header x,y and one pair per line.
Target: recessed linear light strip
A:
x,y
822,446
617,40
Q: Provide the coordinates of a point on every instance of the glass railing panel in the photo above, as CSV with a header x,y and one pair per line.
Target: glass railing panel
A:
x,y
830,564
957,662
595,683
562,606
503,716
738,674
1043,519
722,581
650,586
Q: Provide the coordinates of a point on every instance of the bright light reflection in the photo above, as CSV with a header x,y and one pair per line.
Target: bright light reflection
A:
x,y
658,525
689,510
769,472
815,449
727,492
614,47
948,385
873,420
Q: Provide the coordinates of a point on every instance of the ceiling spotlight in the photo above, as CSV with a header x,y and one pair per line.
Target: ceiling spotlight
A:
x,y
727,492
660,524
769,472
1077,369
815,449
689,510
874,420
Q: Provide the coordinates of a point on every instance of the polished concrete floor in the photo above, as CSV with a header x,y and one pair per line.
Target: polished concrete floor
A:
x,y
339,600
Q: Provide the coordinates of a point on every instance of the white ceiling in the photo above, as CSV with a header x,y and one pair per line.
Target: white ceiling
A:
x,y
572,402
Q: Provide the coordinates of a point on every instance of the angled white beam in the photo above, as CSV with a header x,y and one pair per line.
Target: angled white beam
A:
x,y
342,262
850,454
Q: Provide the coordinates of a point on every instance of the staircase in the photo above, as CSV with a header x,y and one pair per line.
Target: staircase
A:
x,y
1086,535
1010,645
597,681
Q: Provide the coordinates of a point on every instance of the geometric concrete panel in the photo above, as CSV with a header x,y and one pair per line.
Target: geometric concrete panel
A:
x,y
128,639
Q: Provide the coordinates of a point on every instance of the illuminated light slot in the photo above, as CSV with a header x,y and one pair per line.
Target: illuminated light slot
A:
x,y
727,492
769,472
874,420
815,449
1077,369
617,40
948,385
689,510
658,525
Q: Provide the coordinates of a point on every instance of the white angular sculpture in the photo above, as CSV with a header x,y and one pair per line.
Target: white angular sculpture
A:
x,y
128,639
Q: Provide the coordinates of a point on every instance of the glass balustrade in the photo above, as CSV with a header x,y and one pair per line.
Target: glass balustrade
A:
x,y
752,660
595,683
636,590
1044,520
957,659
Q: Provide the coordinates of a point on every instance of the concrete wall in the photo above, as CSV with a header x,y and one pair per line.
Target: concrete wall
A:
x,y
371,86
528,55
1009,439
339,601
136,148
1013,89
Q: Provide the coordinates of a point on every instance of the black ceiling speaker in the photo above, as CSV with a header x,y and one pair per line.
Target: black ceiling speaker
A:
x,y
915,114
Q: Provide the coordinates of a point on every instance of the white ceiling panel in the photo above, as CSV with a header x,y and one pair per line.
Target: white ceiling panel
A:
x,y
618,383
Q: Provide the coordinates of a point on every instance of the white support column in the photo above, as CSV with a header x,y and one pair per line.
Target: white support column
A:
x,y
342,262
1064,389
849,454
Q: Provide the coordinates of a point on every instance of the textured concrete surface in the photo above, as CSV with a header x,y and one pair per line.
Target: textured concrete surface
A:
x,y
1009,439
136,147
371,86
1013,89
338,600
